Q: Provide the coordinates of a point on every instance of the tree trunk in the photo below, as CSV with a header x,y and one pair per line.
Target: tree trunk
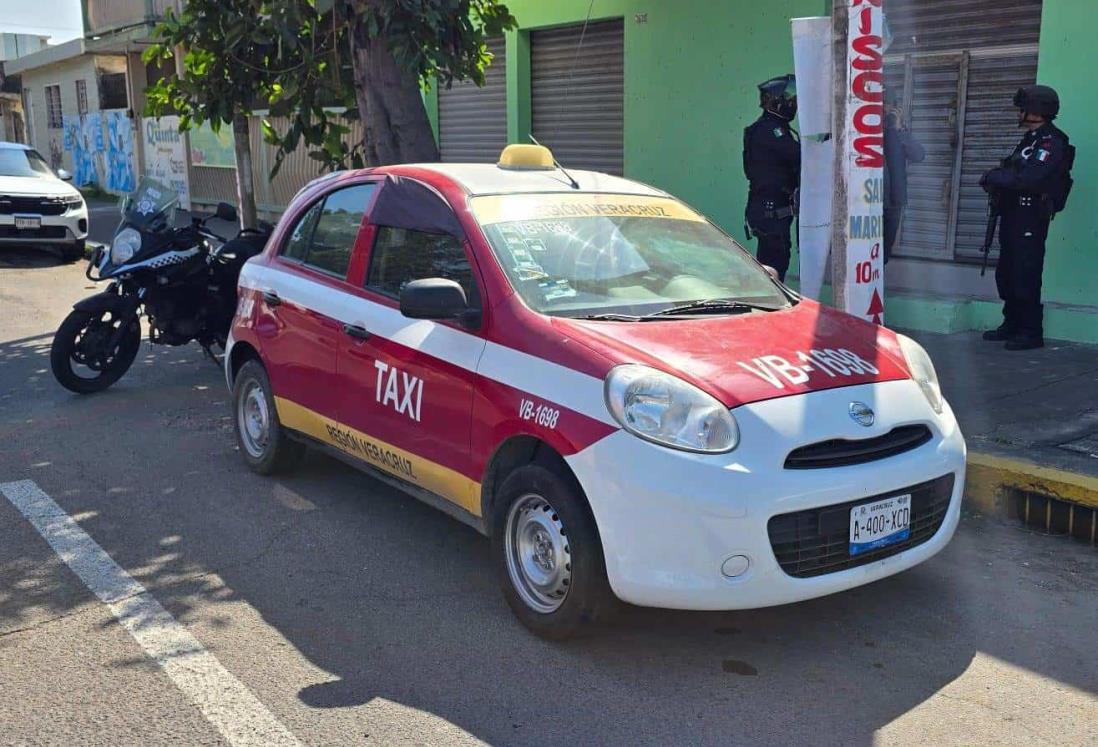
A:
x,y
390,104
245,187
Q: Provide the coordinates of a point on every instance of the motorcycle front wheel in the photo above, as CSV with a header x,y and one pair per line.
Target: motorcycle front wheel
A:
x,y
87,355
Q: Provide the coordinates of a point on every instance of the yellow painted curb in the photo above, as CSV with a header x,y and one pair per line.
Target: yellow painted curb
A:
x,y
991,477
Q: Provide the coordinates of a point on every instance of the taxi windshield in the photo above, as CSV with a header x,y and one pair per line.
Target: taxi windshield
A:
x,y
598,254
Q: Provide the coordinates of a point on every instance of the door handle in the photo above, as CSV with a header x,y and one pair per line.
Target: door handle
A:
x,y
271,298
359,333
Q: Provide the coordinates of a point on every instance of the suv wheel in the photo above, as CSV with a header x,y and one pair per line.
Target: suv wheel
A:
x,y
548,552
265,444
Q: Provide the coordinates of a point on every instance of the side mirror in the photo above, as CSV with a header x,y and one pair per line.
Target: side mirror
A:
x,y
226,212
771,272
433,298
64,176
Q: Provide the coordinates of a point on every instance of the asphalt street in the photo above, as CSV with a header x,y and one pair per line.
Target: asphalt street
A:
x,y
334,608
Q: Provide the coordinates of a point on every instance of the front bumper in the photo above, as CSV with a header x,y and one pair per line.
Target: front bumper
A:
x,y
67,228
669,519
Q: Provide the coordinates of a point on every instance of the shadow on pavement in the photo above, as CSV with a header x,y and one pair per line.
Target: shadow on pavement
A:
x,y
394,600
31,257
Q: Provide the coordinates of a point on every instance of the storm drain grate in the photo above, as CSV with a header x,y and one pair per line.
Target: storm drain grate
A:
x,y
1055,516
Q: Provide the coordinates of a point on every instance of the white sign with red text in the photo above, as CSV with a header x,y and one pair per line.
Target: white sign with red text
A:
x,y
863,162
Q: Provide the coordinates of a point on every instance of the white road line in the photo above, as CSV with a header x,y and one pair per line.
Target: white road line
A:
x,y
221,698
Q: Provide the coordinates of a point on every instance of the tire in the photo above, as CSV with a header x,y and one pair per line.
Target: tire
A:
x,y
73,252
548,553
265,444
72,344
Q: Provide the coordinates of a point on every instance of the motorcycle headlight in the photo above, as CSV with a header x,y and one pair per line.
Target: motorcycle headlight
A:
x,y
126,244
922,371
666,410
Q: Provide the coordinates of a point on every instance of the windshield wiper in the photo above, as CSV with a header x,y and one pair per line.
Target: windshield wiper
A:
x,y
712,306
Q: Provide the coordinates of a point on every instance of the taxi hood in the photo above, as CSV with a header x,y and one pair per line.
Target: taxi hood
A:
x,y
754,356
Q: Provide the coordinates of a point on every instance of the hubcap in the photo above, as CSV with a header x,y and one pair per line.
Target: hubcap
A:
x,y
538,555
254,420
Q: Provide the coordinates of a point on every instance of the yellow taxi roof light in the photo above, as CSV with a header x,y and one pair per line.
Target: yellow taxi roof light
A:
x,y
525,157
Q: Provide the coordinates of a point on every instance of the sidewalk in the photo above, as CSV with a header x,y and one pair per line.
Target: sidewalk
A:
x,y
1031,423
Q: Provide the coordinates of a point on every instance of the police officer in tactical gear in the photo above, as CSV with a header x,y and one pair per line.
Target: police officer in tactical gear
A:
x,y
1030,186
772,165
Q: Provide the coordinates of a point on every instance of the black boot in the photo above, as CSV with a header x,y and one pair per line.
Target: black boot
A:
x,y
1025,341
1000,334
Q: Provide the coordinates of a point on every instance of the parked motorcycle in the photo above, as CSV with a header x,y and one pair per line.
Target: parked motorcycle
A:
x,y
183,279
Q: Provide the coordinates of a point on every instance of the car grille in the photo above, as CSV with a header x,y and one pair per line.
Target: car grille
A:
x,y
45,232
841,452
817,541
10,205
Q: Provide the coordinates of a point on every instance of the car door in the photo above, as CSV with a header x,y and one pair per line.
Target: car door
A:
x,y
406,383
299,304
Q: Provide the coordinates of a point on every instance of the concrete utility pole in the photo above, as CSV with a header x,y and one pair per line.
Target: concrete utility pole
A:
x,y
857,223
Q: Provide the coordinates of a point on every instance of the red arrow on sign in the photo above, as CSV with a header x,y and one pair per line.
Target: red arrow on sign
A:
x,y
876,307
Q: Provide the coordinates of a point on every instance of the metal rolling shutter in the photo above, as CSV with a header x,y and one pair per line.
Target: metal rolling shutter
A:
x,y
956,64
940,25
472,120
576,97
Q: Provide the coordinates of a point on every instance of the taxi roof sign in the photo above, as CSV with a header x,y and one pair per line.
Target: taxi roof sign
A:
x,y
526,157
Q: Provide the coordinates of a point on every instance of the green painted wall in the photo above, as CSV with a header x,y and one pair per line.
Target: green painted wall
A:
x,y
690,74
1066,62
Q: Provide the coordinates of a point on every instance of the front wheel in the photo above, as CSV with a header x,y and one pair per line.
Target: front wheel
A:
x,y
91,350
548,553
73,252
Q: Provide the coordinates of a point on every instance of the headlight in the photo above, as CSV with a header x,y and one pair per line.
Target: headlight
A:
x,y
664,409
73,201
922,371
126,244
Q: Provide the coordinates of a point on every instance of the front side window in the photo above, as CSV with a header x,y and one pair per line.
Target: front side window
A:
x,y
401,255
587,254
324,237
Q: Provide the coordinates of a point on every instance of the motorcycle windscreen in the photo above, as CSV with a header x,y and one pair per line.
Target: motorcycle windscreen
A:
x,y
149,202
411,204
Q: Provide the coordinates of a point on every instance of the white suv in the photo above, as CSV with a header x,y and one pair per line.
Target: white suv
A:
x,y
37,206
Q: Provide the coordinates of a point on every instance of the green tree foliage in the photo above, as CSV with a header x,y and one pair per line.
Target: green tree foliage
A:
x,y
301,58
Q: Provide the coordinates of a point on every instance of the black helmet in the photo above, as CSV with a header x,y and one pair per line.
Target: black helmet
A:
x,y
779,95
1039,100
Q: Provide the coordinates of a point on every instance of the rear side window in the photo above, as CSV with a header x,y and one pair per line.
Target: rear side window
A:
x,y
324,237
401,255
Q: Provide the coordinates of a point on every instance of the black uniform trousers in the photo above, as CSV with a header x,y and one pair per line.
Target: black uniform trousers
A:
x,y
1023,229
775,242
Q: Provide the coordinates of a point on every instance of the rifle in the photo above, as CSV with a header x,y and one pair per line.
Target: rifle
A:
x,y
992,221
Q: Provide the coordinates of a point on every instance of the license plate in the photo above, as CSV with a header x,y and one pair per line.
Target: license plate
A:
x,y
880,523
28,221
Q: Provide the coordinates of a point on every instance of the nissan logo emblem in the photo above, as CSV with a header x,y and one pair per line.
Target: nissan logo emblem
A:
x,y
861,413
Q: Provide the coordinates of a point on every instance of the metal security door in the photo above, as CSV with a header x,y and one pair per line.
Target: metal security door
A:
x,y
931,88
989,135
957,64
576,94
472,120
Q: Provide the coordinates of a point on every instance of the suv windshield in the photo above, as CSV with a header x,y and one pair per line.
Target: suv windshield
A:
x,y
19,162
593,254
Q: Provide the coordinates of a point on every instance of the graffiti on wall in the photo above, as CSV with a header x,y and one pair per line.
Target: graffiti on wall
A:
x,y
120,174
101,156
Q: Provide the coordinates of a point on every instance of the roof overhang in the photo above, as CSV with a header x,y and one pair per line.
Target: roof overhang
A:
x,y
47,56
121,41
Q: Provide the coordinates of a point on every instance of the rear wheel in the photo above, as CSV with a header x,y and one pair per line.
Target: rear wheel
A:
x,y
548,552
265,444
91,350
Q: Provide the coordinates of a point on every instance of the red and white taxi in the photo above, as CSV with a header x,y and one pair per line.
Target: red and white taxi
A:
x,y
588,371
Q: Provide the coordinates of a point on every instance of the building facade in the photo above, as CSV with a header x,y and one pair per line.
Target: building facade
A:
x,y
661,93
